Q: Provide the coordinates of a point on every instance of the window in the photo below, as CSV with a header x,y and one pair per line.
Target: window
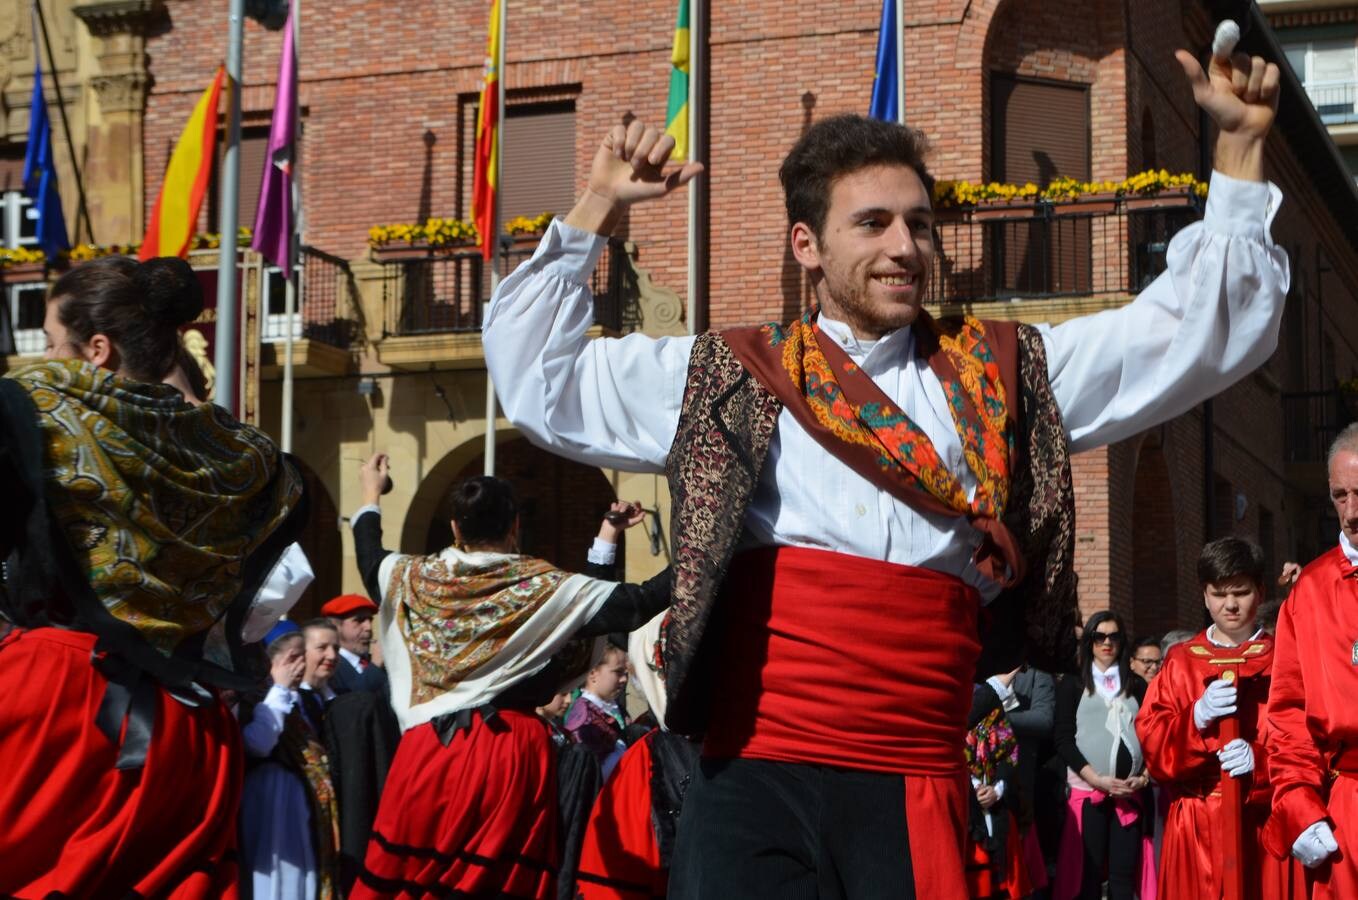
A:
x,y
27,302
539,159
274,301
1328,67
254,146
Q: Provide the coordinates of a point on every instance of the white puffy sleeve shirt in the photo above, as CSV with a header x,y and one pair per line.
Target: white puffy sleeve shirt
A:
x,y
1209,319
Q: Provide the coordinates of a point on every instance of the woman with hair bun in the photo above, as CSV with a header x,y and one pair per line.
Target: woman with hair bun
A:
x,y
138,532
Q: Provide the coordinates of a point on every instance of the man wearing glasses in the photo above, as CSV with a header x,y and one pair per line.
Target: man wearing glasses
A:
x,y
1147,659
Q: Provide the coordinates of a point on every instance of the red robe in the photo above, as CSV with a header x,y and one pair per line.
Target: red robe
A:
x,y
1313,714
1184,761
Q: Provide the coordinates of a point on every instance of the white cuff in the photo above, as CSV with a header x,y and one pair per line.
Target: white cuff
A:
x,y
364,510
1243,208
569,252
602,553
1008,699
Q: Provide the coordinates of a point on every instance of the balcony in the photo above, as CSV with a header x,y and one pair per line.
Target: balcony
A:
x,y
325,325
1335,101
432,302
1043,250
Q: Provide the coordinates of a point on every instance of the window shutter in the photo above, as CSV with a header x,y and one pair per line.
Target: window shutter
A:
x,y
539,160
1039,131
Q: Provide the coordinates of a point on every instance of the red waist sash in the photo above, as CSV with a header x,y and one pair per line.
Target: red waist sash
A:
x,y
843,661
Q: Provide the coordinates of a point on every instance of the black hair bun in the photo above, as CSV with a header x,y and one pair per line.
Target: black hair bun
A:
x,y
170,290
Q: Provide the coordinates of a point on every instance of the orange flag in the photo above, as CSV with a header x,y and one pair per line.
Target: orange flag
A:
x,y
486,175
175,214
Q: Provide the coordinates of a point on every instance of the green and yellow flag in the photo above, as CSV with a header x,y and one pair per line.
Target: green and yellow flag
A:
x,y
676,114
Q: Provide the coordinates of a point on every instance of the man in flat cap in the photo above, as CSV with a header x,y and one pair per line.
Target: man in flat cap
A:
x,y
356,670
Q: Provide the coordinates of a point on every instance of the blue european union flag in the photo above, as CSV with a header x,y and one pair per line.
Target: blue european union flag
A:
x,y
884,95
40,175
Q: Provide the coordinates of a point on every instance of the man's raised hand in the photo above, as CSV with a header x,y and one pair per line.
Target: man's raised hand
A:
x,y
628,168
1240,93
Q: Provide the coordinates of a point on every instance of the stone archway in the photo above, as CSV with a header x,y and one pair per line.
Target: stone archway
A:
x,y
321,542
561,502
1155,569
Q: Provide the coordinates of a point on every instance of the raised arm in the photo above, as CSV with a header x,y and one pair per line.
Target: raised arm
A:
x,y
608,402
1214,315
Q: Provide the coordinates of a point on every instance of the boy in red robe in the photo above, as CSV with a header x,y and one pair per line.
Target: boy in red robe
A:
x,y
1312,717
1181,734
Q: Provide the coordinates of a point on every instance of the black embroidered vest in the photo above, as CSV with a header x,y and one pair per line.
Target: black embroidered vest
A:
x,y
725,428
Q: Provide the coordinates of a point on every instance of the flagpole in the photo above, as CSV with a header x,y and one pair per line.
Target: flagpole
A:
x,y
65,127
691,313
294,239
900,61
226,349
494,236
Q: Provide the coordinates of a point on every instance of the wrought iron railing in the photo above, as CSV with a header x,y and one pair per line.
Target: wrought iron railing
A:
x,y
1042,249
444,291
1336,101
327,301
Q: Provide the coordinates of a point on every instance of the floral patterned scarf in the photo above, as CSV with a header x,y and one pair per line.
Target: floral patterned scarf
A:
x,y
161,501
840,405
455,616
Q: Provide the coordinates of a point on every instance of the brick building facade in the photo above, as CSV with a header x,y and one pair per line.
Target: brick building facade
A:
x,y
388,97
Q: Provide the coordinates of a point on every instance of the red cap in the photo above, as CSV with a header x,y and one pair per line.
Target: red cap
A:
x,y
347,605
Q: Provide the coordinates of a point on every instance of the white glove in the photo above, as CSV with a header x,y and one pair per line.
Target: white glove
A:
x,y
1315,845
1217,701
1237,758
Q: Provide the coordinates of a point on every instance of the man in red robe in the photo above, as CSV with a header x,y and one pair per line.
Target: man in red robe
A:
x,y
1312,719
1180,729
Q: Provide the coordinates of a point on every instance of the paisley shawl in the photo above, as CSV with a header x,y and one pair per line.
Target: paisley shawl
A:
x,y
161,501
300,749
845,401
458,628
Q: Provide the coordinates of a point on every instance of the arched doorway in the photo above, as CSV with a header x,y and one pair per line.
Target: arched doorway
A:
x,y
1155,568
321,542
561,503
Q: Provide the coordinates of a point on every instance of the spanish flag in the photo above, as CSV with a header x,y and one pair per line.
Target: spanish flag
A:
x,y
486,174
676,114
175,215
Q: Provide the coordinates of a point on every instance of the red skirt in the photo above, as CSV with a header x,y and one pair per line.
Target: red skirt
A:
x,y
620,858
478,817
73,824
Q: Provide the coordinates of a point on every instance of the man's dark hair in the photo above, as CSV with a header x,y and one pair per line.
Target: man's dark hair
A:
x,y
1149,640
838,146
1230,557
484,508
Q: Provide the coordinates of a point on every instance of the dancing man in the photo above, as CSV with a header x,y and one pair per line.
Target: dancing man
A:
x,y
850,488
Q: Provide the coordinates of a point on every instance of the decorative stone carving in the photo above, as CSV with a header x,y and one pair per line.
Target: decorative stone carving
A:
x,y
648,307
121,92
105,18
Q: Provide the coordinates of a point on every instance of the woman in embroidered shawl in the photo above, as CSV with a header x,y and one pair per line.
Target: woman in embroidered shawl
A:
x,y
475,638
138,530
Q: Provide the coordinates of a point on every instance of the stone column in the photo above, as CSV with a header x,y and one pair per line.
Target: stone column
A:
x,y
113,162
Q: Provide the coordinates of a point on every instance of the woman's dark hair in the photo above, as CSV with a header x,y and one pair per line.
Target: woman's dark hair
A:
x,y
484,508
140,306
1228,558
838,146
1086,654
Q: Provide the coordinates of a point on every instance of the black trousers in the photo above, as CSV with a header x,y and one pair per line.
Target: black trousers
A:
x,y
755,829
1108,842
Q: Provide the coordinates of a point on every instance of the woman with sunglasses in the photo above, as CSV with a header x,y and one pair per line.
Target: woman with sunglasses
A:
x,y
137,531
1095,734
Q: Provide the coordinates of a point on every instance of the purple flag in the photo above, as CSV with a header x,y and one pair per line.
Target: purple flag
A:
x,y
276,217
